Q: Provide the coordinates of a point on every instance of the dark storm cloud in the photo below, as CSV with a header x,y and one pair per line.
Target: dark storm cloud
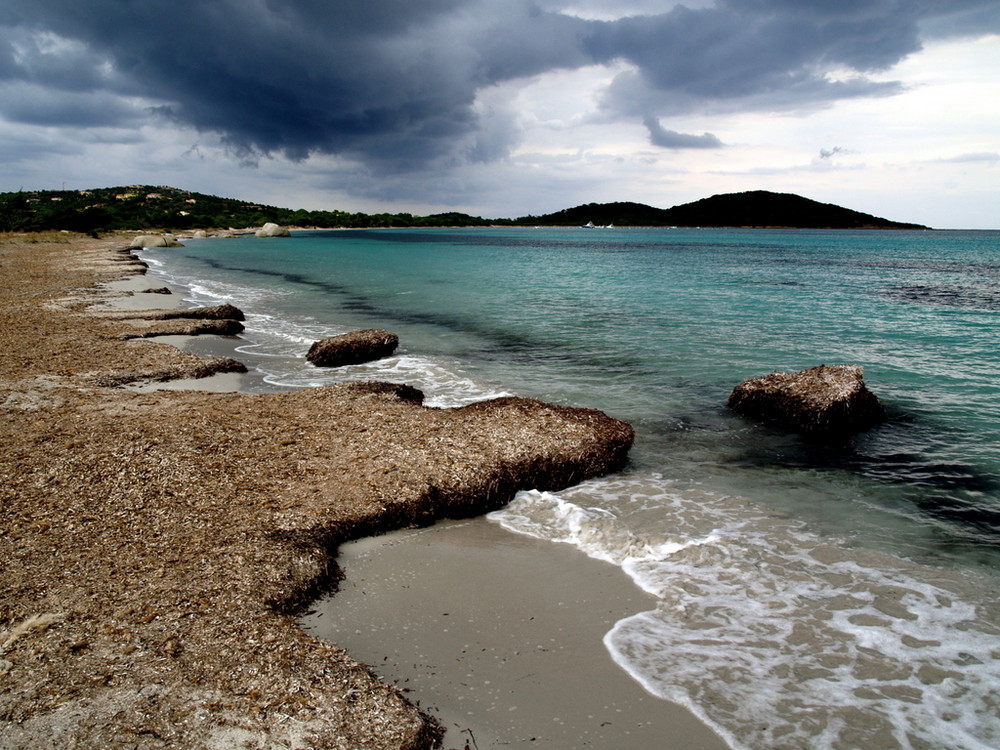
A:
x,y
393,82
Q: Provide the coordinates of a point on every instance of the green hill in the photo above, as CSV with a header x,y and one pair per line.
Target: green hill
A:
x,y
159,207
758,208
138,207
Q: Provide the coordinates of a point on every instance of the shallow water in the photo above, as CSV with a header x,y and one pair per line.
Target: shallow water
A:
x,y
808,595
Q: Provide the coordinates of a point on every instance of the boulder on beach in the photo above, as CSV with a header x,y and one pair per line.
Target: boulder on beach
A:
x,y
155,240
823,401
270,229
200,234
353,348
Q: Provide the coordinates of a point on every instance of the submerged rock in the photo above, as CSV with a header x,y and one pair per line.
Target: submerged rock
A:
x,y
270,229
821,401
353,348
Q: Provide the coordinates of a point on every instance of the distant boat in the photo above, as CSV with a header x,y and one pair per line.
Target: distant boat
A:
x,y
592,225
588,225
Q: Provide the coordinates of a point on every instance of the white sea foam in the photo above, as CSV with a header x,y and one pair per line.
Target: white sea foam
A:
x,y
775,636
276,346
443,386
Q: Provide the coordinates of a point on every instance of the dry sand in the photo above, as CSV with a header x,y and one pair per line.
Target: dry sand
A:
x,y
158,546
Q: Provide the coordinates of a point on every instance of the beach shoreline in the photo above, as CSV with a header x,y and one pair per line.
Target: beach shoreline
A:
x,y
500,635
160,544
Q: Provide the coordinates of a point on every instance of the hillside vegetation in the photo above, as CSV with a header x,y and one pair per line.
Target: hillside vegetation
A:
x,y
144,207
758,208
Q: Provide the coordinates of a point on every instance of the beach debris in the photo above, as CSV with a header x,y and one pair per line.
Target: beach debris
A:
x,y
211,312
270,229
157,290
353,348
221,320
155,240
823,401
187,327
125,256
204,367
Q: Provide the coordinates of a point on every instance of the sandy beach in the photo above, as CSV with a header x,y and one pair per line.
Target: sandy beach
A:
x,y
499,635
160,544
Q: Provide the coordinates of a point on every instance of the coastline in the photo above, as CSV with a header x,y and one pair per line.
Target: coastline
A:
x,y
500,635
160,544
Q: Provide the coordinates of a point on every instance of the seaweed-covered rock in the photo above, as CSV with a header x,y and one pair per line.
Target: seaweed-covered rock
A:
x,y
823,401
353,348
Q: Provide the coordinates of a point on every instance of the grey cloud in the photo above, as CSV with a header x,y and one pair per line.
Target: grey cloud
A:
x,y
660,136
393,83
34,105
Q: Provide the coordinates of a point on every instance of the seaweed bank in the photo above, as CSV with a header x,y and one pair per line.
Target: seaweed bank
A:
x,y
158,546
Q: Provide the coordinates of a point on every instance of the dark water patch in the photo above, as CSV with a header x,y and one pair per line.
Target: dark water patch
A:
x,y
770,282
952,295
959,497
606,244
500,343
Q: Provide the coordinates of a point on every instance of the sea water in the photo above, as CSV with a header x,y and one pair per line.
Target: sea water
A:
x,y
808,594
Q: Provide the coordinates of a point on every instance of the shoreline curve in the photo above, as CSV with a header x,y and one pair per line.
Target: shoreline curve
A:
x,y
159,544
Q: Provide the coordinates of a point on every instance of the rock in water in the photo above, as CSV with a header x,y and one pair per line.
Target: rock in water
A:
x,y
270,229
824,401
353,348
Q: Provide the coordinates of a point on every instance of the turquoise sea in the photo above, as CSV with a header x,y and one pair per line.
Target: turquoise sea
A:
x,y
809,595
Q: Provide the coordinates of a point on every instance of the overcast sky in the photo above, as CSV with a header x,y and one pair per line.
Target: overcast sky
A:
x,y
510,107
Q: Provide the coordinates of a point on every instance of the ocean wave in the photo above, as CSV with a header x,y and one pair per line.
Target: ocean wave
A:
x,y
775,636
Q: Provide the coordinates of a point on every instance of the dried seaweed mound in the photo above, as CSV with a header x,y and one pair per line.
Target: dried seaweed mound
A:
x,y
823,401
354,348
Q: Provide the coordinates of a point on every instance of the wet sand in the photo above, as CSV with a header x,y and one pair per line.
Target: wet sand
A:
x,y
499,635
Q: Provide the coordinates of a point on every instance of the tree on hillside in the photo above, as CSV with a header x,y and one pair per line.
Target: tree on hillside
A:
x,y
15,213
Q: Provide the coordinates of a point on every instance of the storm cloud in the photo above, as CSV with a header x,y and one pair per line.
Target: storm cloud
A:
x,y
393,84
